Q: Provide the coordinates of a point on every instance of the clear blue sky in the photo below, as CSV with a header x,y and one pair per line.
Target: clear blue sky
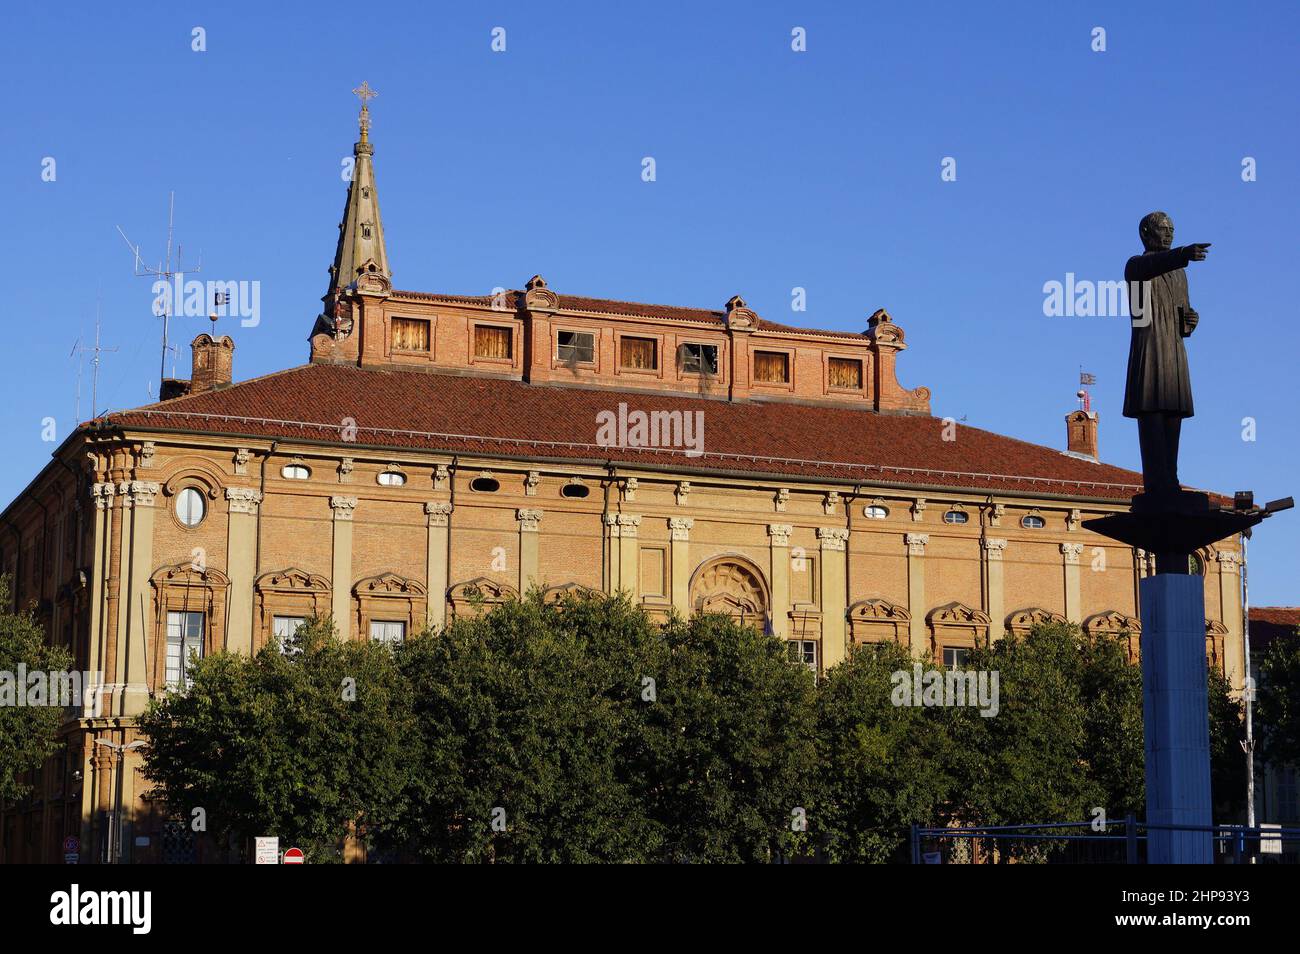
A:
x,y
775,169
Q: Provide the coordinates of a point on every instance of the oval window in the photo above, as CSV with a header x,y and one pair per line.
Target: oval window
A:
x,y
190,507
876,512
392,478
485,485
1033,522
955,516
574,490
294,472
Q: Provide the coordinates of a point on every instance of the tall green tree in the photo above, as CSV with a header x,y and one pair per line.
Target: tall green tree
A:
x,y
884,766
28,733
1277,712
303,745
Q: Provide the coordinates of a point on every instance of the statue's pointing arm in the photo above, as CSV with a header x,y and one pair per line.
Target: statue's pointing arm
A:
x,y
1143,268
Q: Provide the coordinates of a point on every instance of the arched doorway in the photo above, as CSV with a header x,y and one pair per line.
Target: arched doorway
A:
x,y
732,585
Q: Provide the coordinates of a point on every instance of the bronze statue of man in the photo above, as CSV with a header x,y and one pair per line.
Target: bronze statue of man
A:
x,y
1159,390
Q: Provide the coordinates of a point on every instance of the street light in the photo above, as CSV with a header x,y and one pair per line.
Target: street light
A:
x,y
115,835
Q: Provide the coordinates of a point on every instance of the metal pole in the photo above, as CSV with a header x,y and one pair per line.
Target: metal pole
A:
x,y
1250,697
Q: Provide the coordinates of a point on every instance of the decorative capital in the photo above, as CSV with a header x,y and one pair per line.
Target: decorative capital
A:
x,y
147,450
530,483
242,456
630,487
343,507
438,513
1071,552
918,509
103,495
831,502
345,470
243,499
1229,561
994,546
629,524
782,498
916,543
1074,519
680,527
440,474
529,520
833,538
683,491
139,493
780,534
996,515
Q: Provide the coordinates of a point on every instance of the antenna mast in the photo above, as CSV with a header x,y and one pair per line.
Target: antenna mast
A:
x,y
166,271
79,349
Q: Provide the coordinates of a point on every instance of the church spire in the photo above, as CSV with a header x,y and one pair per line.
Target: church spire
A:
x,y
361,258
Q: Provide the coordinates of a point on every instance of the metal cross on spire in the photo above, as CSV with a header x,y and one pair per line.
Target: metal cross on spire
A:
x,y
365,94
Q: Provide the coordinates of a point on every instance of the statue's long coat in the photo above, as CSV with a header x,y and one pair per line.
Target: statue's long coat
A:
x,y
1158,381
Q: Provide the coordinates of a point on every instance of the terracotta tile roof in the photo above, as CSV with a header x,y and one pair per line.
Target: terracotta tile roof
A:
x,y
475,415
631,309
1268,623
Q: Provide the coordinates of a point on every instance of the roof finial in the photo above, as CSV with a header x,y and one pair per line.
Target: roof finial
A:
x,y
365,94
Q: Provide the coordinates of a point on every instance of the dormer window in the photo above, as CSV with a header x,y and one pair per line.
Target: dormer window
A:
x,y
844,373
410,334
575,347
491,341
639,354
771,367
699,358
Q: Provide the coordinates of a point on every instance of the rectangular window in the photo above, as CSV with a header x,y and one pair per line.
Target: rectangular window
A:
x,y
388,631
184,643
410,334
640,354
845,373
283,628
575,347
699,358
955,658
771,367
491,342
803,651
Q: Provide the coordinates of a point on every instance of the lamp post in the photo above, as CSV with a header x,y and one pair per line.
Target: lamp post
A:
x,y
115,835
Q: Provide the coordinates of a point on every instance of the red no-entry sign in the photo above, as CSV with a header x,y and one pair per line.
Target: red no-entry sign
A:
x,y
293,856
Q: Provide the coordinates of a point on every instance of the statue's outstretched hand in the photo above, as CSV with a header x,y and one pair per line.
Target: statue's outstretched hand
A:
x,y
1197,251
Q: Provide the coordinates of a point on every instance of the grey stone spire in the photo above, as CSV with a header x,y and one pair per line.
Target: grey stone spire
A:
x,y
361,258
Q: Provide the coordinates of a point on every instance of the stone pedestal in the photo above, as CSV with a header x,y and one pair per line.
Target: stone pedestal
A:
x,y
1175,718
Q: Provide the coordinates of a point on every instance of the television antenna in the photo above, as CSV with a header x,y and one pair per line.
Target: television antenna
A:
x,y
79,349
165,271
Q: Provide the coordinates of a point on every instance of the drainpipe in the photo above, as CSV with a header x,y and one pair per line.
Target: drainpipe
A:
x,y
257,533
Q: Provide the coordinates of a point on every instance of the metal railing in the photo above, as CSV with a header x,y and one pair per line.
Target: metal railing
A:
x,y
1117,842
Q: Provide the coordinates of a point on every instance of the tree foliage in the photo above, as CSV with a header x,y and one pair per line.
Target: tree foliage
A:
x,y
1278,710
28,733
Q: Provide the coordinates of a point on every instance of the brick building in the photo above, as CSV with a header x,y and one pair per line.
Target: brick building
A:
x,y
441,451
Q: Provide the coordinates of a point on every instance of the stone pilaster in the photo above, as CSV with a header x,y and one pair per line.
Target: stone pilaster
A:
x,y
341,573
613,553
438,517
629,524
1070,560
1234,644
834,586
993,549
241,561
530,521
679,529
920,639
138,498
102,493
779,537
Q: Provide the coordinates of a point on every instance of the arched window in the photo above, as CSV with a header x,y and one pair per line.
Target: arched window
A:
x,y
876,512
295,472
955,516
1033,522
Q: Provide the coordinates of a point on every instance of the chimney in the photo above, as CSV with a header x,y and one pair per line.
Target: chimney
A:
x,y
1081,433
213,363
